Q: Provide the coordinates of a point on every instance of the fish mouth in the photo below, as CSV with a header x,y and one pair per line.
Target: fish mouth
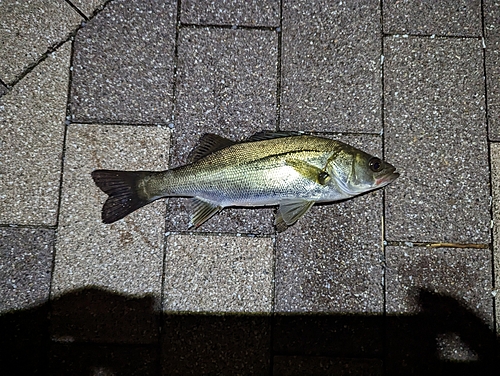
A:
x,y
387,178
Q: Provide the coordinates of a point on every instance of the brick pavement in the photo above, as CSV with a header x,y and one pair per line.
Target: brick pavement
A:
x,y
398,281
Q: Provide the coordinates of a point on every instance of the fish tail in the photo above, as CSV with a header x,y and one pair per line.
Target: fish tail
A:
x,y
122,188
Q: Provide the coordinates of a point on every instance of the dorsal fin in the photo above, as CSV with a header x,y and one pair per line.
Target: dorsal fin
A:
x,y
268,135
208,144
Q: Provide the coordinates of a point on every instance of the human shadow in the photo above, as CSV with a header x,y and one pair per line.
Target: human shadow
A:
x,y
96,332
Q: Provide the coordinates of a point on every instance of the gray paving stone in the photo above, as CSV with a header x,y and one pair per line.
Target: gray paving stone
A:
x,y
464,274
492,34
32,131
25,267
331,259
125,256
226,85
495,181
123,64
320,365
216,345
218,274
28,29
233,12
331,75
449,293
436,135
89,7
424,17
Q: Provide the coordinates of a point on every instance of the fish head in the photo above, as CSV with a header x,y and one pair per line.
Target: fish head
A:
x,y
357,172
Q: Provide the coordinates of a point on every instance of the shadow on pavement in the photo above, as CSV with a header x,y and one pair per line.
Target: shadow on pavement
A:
x,y
95,332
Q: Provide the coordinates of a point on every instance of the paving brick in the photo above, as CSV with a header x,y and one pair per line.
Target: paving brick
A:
x,y
91,359
423,17
234,12
218,274
331,259
301,365
448,292
89,7
216,345
331,75
125,257
436,135
32,133
492,54
123,64
226,85
495,181
25,267
25,271
28,29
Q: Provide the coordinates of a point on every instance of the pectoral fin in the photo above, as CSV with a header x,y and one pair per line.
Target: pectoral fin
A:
x,y
202,211
309,171
290,211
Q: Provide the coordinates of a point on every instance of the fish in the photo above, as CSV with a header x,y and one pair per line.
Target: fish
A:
x,y
291,170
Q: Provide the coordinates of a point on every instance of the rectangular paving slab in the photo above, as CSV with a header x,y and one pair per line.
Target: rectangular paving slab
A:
x,y
124,258
439,302
492,54
330,72
233,12
331,259
443,17
123,64
28,29
218,274
436,136
32,134
226,84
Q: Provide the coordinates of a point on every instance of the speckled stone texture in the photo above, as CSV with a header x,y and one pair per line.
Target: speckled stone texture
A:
x,y
331,259
123,64
331,75
32,134
92,359
226,85
216,345
428,17
316,365
218,274
125,257
89,7
28,29
448,292
492,54
436,136
3,89
25,267
25,271
495,181
233,12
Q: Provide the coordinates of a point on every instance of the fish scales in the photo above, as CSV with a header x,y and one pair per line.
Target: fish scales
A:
x,y
286,169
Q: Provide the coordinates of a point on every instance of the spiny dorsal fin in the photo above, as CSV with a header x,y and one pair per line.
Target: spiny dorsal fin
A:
x,y
208,144
309,171
202,211
268,135
290,211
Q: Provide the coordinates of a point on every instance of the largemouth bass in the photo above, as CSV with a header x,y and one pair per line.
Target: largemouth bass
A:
x,y
288,169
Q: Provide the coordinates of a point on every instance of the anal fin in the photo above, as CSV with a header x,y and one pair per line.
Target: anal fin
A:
x,y
202,211
290,211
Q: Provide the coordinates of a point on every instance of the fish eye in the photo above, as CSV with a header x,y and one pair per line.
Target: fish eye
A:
x,y
375,164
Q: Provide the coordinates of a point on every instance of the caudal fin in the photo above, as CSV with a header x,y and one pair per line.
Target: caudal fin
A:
x,y
121,186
